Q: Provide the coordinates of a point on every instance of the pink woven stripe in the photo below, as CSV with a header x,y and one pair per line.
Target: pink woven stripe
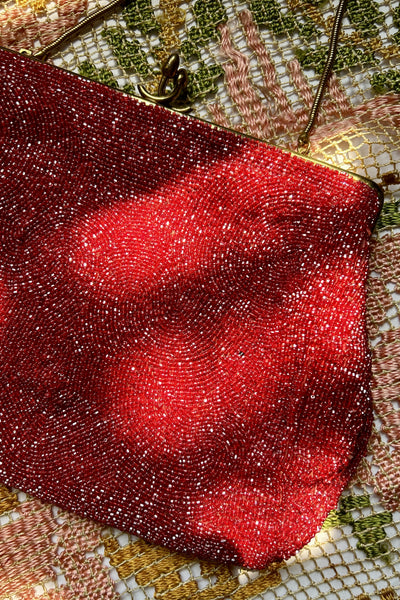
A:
x,y
387,252
386,354
69,13
283,109
243,94
218,115
340,100
60,594
25,551
392,336
387,480
387,388
387,379
385,255
379,301
20,28
335,104
300,82
29,548
386,365
386,411
86,577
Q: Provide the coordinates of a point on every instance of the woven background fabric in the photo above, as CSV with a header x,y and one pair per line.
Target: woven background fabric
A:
x,y
253,66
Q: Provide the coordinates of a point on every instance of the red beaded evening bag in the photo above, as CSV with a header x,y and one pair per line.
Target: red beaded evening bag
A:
x,y
183,346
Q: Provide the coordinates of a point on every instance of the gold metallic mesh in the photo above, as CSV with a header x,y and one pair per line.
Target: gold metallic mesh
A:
x,y
253,66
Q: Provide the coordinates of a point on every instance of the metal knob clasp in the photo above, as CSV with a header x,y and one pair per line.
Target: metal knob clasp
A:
x,y
170,72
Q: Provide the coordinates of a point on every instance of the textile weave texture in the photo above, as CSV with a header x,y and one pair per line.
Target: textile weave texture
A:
x,y
248,73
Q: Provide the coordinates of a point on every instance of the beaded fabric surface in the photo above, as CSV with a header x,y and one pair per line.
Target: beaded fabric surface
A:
x,y
244,74
183,305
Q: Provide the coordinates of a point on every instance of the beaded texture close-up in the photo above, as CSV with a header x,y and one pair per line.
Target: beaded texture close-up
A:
x,y
182,321
109,306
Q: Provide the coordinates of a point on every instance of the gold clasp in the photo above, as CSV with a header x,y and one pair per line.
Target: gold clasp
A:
x,y
170,71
